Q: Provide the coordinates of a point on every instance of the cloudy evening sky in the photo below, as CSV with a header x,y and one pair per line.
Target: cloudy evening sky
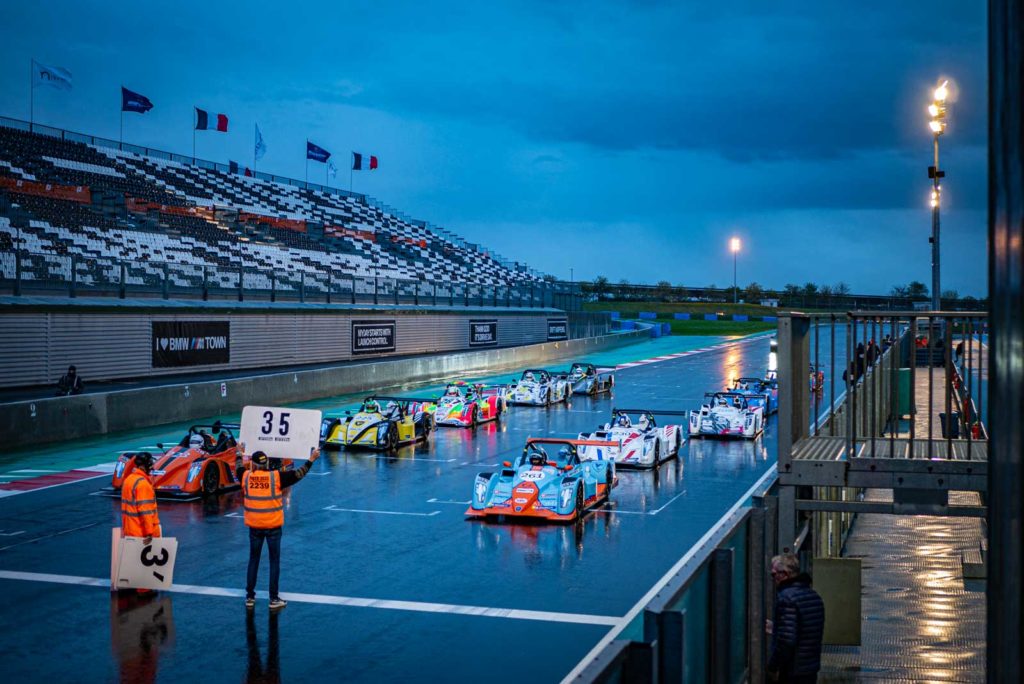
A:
x,y
625,139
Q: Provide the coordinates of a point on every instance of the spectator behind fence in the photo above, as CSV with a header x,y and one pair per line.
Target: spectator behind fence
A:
x,y
70,383
798,625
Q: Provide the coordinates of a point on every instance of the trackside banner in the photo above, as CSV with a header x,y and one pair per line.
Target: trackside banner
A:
x,y
190,343
558,329
373,337
483,333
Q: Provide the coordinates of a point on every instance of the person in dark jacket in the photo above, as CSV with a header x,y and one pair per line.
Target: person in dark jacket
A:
x,y
798,625
70,383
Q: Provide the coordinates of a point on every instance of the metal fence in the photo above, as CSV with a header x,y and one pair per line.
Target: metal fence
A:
x,y
23,272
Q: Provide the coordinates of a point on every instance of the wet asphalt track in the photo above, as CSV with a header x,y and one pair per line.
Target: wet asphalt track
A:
x,y
386,528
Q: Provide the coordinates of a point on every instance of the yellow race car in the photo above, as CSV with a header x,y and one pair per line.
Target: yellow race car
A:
x,y
381,423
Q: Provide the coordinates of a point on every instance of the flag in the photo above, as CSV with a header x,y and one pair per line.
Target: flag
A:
x,y
359,165
232,166
261,147
316,153
133,102
56,77
332,170
211,122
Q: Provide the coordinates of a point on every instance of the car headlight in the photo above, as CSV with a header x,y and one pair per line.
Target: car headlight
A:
x,y
193,471
566,495
119,468
480,491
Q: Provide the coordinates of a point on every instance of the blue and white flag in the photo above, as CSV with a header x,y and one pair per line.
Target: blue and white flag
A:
x,y
55,77
134,102
261,147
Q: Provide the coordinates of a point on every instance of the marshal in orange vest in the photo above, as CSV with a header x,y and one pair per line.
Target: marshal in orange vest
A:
x,y
262,499
138,507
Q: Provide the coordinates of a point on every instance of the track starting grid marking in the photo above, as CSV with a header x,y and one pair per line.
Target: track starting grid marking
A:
x,y
51,479
348,601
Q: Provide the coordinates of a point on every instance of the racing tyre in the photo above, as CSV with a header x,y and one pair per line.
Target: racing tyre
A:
x,y
657,452
679,443
475,420
609,477
391,439
211,479
579,503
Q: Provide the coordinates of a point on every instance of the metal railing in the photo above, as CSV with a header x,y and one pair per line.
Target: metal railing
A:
x,y
23,272
705,620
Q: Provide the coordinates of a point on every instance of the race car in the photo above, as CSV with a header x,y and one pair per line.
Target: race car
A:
x,y
538,387
759,391
585,378
637,444
727,414
401,420
465,405
548,481
199,465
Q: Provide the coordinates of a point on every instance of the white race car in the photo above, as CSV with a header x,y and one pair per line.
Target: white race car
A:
x,y
538,387
641,443
727,414
586,378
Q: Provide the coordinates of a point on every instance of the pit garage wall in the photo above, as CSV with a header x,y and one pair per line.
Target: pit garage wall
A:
x,y
104,344
62,418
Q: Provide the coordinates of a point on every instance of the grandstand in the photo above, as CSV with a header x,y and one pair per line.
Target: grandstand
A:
x,y
88,211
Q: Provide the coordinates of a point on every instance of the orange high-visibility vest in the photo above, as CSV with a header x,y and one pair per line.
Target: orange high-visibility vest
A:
x,y
262,500
138,507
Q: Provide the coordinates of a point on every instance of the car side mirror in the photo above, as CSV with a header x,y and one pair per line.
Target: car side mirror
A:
x,y
159,445
506,464
567,468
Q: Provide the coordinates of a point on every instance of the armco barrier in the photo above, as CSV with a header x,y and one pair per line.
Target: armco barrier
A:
x,y
710,317
666,328
647,315
625,325
614,314
62,418
681,316
740,317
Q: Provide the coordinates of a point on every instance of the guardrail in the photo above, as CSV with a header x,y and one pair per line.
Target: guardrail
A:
x,y
704,620
23,272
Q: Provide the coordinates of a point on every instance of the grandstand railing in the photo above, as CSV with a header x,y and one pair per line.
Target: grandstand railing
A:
x,y
24,273
63,134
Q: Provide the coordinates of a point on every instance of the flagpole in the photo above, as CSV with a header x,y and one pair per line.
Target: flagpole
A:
x,y
120,142
255,128
31,95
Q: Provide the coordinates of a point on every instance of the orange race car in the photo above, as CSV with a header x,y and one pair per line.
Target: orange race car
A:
x,y
201,464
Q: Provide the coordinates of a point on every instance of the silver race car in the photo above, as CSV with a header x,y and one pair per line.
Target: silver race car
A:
x,y
585,378
538,387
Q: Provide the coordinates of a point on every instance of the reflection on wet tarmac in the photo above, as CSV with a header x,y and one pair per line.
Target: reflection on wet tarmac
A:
x,y
141,630
257,670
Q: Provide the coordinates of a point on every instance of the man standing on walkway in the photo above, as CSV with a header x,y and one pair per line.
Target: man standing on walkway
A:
x,y
263,501
798,625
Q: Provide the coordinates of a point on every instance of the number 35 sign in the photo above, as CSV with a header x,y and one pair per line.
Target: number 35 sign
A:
x,y
280,432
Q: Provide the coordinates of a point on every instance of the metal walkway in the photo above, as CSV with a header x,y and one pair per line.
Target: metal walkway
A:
x,y
921,620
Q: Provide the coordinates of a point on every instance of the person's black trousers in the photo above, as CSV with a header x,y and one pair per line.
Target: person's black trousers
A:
x,y
273,539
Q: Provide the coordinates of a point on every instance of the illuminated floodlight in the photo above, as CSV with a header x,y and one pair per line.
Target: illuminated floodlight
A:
x,y
734,244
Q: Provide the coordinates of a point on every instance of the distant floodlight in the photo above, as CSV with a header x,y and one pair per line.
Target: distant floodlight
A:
x,y
933,110
942,92
734,244
936,126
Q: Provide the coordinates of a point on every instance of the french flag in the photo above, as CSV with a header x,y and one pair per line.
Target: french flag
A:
x,y
211,122
359,165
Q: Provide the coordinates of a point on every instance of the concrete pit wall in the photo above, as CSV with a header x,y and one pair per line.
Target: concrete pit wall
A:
x,y
62,418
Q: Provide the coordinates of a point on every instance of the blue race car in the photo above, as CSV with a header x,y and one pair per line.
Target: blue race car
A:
x,y
763,392
548,482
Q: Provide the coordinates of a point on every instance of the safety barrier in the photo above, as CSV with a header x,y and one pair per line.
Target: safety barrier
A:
x,y
704,621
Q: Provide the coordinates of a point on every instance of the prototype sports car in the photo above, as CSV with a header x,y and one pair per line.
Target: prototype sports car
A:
x,y
198,465
639,444
538,387
402,420
585,378
465,405
548,481
759,392
727,414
